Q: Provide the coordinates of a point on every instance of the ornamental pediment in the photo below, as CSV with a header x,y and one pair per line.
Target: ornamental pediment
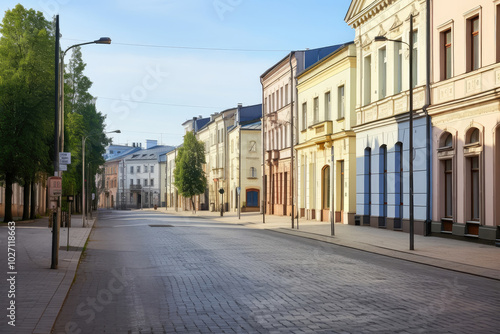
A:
x,y
361,10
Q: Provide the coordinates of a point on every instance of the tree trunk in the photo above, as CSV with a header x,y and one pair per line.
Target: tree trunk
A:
x,y
192,203
8,198
26,201
33,200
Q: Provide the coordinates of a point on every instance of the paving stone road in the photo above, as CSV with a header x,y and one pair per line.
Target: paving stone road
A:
x,y
139,275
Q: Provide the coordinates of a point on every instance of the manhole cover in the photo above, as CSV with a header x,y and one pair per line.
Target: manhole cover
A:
x,y
161,225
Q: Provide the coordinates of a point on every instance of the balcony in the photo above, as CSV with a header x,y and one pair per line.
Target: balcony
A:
x,y
273,155
135,187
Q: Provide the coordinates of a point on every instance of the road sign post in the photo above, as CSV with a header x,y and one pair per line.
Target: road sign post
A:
x,y
55,191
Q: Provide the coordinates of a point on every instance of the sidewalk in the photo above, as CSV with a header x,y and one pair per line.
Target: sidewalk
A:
x,y
39,290
458,255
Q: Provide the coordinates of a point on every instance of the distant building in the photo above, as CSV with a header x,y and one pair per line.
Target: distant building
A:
x,y
245,158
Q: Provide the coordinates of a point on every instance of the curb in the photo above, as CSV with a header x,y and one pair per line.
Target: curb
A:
x,y
51,312
402,255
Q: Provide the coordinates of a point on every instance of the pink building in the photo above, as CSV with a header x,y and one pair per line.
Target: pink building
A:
x,y
465,91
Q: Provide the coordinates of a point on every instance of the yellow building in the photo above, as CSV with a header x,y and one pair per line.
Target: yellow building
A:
x,y
326,111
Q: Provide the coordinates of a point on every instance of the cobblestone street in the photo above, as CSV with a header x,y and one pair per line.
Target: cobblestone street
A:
x,y
144,272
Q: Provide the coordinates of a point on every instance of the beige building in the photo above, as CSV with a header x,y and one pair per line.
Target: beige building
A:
x,y
245,158
326,102
466,119
214,135
279,118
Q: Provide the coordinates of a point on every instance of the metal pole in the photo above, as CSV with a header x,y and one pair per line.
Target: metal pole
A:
x,y
412,232
68,225
332,208
54,258
83,181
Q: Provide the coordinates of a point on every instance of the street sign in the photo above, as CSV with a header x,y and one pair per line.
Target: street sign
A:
x,y
64,158
238,190
55,186
63,168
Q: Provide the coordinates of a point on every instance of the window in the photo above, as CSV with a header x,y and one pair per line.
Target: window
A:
x,y
341,102
448,188
139,182
253,172
367,181
446,141
316,110
138,169
131,169
382,76
286,94
367,71
281,97
145,182
415,59
152,169
474,175
131,182
326,187
474,136
327,106
473,24
498,32
304,115
398,67
152,182
273,101
446,55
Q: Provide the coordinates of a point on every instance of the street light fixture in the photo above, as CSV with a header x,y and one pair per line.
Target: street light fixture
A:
x,y
84,139
384,39
102,40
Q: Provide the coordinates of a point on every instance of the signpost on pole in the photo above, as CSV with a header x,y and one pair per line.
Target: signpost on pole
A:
x,y
55,192
238,190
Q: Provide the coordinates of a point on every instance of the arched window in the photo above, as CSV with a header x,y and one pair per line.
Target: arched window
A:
x,y
325,196
446,141
473,137
367,181
253,172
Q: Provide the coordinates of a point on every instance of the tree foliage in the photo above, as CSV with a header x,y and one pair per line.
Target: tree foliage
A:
x,y
190,179
26,97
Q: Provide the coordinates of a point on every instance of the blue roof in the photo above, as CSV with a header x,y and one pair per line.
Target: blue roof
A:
x,y
250,113
315,55
200,123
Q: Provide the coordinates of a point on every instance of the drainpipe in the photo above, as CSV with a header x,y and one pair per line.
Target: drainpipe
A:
x,y
291,137
428,220
264,190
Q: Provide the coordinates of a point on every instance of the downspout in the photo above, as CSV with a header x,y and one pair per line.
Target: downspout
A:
x,y
297,136
264,190
291,137
428,220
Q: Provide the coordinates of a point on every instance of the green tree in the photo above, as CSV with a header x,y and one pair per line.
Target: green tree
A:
x,y
81,120
190,179
26,98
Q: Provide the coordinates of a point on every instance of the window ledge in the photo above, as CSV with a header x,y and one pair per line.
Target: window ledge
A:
x,y
470,145
473,222
341,119
471,235
445,149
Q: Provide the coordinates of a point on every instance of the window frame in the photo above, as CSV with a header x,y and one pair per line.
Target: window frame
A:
x,y
470,17
341,102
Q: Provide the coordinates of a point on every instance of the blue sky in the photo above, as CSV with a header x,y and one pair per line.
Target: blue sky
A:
x,y
148,90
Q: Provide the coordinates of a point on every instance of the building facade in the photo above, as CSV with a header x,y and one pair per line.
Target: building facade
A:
x,y
326,102
214,136
245,158
279,114
466,118
382,113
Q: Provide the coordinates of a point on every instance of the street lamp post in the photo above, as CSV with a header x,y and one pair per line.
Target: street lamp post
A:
x,y
102,40
84,205
410,44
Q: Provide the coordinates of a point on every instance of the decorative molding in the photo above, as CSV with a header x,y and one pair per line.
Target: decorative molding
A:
x,y
397,23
